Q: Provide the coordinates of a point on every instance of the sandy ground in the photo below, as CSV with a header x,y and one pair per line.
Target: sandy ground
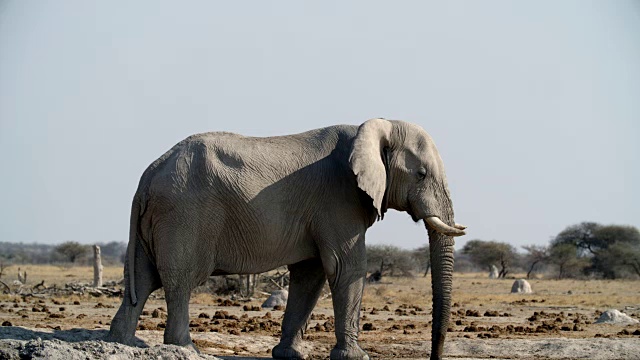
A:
x,y
555,322
18,343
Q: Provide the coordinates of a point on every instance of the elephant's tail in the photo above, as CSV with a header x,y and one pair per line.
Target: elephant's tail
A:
x,y
131,248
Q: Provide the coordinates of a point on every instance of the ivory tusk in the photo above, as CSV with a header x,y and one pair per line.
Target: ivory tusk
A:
x,y
436,224
459,226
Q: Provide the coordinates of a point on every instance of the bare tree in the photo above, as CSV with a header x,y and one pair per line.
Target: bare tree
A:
x,y
535,255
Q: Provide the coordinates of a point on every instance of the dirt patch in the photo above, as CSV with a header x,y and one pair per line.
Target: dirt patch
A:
x,y
486,321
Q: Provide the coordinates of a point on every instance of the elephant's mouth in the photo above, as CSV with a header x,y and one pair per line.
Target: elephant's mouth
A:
x,y
414,217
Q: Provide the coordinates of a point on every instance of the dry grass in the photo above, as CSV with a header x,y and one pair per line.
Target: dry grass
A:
x,y
469,289
475,289
60,275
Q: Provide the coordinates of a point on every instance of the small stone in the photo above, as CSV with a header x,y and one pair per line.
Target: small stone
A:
x,y
614,316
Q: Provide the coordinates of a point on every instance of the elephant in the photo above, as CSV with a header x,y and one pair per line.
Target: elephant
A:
x,y
221,203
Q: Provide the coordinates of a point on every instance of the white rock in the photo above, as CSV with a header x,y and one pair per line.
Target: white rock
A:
x,y
493,274
278,297
613,316
521,286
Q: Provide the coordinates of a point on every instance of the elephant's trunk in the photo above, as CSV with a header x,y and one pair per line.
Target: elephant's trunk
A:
x,y
441,254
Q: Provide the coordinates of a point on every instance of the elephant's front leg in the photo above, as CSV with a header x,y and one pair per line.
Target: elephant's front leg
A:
x,y
346,274
306,282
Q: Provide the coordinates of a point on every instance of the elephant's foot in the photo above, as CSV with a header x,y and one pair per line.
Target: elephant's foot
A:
x,y
118,337
287,352
353,352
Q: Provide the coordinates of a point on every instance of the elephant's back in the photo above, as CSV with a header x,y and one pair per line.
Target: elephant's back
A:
x,y
220,162
225,185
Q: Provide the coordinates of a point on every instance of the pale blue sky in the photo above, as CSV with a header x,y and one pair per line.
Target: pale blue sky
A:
x,y
535,106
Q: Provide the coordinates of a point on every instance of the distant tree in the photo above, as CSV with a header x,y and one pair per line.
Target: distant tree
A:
x,y
422,258
567,259
610,251
71,250
486,253
20,253
463,262
619,253
113,251
390,260
536,254
582,236
622,258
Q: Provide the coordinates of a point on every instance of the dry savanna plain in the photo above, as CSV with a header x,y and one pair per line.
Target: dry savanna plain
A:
x,y
556,321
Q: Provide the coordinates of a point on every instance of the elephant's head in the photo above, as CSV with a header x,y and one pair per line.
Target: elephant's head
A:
x,y
398,166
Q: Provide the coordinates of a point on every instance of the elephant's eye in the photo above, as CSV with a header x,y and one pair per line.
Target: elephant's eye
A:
x,y
422,173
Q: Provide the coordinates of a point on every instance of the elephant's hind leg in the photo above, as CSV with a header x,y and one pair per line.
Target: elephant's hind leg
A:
x,y
306,282
177,331
178,283
123,326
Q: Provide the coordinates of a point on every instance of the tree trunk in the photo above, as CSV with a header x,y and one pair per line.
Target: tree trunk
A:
x,y
426,271
256,279
503,270
97,267
250,284
635,265
560,272
531,268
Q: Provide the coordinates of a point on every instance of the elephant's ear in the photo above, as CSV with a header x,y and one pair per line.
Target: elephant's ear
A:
x,y
368,160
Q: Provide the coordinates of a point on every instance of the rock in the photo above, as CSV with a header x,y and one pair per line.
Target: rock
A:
x,y
56,349
613,316
278,297
157,313
521,286
493,274
368,327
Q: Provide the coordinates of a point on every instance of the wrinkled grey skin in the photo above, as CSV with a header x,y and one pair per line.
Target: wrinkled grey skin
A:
x,y
221,203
